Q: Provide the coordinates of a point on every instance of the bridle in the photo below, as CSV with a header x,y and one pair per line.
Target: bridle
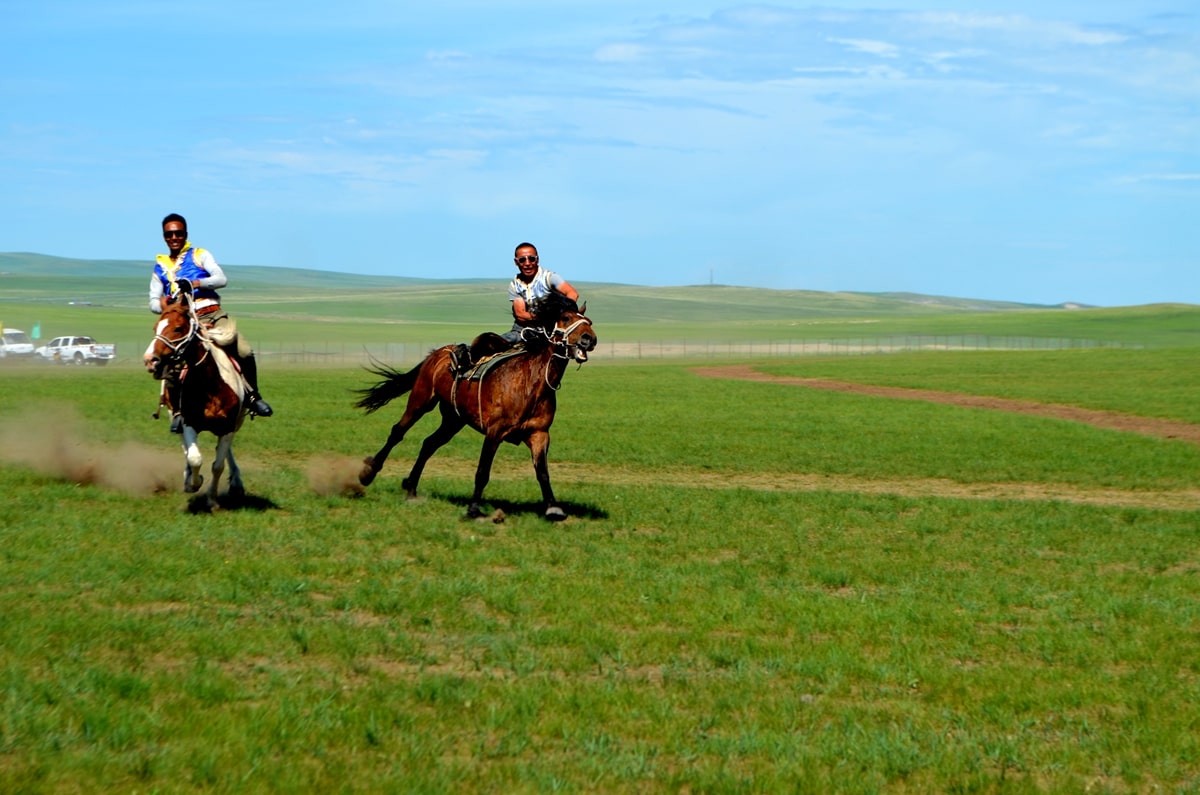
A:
x,y
560,335
173,362
562,347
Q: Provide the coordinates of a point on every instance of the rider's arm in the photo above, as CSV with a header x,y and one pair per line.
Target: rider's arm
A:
x,y
561,285
156,294
216,278
570,292
521,311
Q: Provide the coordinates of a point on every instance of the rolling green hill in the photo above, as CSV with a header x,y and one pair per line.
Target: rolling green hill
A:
x,y
106,299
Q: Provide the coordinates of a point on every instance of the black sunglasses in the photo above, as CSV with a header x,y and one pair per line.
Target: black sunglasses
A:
x,y
523,260
170,233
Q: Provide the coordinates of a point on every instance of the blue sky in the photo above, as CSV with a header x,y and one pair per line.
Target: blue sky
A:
x,y
1027,151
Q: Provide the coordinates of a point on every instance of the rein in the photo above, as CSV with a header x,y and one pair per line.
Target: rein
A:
x,y
178,347
560,349
558,338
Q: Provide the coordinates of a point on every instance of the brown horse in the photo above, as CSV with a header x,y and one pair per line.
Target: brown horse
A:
x,y
207,388
514,401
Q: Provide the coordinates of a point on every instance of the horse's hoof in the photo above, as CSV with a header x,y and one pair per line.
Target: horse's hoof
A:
x,y
366,475
192,488
555,514
474,511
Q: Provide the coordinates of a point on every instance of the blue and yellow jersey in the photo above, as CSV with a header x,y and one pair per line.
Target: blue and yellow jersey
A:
x,y
189,267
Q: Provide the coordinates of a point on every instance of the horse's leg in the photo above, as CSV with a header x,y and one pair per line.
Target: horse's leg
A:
x,y
539,446
418,407
218,466
451,425
237,489
483,473
192,479
372,464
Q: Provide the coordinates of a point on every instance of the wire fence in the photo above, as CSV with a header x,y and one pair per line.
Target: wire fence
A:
x,y
398,354
410,353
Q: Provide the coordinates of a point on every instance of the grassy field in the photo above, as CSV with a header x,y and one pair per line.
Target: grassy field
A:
x,y
760,588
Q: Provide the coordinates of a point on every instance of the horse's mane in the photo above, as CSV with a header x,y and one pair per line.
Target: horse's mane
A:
x,y
546,313
550,309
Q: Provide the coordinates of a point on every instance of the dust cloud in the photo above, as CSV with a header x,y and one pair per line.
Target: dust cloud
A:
x,y
332,476
53,441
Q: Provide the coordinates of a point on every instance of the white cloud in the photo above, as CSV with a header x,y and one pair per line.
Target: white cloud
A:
x,y
1181,177
620,53
881,48
1027,30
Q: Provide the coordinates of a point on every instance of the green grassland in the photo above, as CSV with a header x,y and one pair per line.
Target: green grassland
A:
x,y
760,588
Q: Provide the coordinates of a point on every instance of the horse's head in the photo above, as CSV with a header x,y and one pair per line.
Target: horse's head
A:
x,y
176,328
567,327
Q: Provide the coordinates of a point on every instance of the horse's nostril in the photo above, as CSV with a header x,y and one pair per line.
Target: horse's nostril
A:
x,y
587,342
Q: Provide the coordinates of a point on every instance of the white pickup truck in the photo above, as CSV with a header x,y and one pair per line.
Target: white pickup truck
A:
x,y
77,350
15,343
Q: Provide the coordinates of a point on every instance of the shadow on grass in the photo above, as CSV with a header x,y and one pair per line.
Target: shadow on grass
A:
x,y
574,510
198,503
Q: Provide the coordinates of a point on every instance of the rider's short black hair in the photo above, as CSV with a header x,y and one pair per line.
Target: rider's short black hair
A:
x,y
524,245
175,217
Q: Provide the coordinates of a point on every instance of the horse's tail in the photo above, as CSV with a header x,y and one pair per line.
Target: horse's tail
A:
x,y
393,385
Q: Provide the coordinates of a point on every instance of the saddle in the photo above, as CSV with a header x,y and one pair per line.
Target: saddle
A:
x,y
481,368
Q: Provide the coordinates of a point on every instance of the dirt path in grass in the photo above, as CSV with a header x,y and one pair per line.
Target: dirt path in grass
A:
x,y
1109,420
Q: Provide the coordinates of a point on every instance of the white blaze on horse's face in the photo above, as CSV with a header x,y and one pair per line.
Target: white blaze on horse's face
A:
x,y
156,353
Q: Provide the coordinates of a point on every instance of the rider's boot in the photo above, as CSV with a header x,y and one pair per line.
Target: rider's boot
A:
x,y
460,358
258,406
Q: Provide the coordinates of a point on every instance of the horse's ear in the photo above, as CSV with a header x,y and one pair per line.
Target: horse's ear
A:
x,y
583,309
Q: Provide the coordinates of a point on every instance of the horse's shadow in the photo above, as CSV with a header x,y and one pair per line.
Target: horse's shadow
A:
x,y
574,510
198,503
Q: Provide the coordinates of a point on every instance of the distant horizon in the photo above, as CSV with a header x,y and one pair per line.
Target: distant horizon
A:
x,y
500,281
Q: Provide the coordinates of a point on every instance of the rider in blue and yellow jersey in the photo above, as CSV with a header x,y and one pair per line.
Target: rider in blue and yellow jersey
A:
x,y
197,266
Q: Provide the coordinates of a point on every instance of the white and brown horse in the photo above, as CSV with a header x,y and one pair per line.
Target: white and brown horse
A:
x,y
513,402
206,389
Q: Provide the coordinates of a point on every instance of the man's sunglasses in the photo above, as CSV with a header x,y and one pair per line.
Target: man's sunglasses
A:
x,y
523,260
170,233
